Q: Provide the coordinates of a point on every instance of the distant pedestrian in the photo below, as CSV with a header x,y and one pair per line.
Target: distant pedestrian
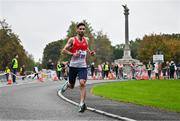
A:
x,y
14,67
178,70
133,69
106,69
59,70
7,71
65,68
116,70
22,72
36,72
156,70
92,69
149,69
50,67
172,69
120,71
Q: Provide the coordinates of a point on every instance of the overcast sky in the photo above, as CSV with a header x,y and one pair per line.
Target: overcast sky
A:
x,y
39,22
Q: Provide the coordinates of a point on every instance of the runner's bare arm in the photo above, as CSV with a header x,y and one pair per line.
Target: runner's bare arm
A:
x,y
67,47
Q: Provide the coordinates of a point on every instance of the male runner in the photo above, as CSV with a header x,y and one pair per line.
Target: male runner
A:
x,y
77,47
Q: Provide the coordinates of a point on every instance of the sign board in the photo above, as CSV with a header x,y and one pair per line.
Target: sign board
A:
x,y
158,58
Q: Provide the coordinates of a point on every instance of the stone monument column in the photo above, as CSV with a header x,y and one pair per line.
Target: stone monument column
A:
x,y
127,60
127,51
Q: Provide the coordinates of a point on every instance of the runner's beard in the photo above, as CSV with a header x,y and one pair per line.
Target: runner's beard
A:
x,y
81,34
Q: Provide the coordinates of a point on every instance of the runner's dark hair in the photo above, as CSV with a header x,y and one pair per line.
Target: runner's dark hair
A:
x,y
80,24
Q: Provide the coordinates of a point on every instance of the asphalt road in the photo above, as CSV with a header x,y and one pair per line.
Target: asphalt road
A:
x,y
39,101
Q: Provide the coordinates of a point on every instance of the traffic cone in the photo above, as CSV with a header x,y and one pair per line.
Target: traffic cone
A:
x,y
114,76
40,77
9,80
110,76
55,78
94,76
100,76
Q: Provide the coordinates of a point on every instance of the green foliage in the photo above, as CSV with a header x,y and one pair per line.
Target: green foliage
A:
x,y
10,45
72,30
118,51
104,50
168,44
134,45
52,51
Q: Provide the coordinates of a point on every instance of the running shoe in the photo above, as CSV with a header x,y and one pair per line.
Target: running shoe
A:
x,y
82,108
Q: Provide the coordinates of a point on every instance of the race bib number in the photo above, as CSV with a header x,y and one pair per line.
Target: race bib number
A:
x,y
82,54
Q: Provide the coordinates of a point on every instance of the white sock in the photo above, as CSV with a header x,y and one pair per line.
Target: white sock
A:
x,y
81,103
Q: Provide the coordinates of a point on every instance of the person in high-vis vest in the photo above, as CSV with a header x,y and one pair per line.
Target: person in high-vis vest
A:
x,y
14,68
7,71
149,69
106,70
59,70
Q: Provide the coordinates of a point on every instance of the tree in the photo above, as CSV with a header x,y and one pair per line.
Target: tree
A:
x,y
169,45
10,45
52,51
104,50
134,45
118,51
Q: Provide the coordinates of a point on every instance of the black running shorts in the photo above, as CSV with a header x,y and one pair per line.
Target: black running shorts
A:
x,y
74,72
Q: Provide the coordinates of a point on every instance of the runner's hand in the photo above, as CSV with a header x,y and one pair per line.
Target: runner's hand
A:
x,y
76,54
92,53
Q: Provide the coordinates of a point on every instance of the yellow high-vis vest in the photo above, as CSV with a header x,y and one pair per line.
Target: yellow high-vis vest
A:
x,y
59,68
7,70
15,63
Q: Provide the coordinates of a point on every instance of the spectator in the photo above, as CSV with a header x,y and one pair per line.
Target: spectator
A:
x,y
14,67
178,71
59,70
106,69
156,70
172,69
92,69
22,72
50,67
149,68
116,69
36,72
7,71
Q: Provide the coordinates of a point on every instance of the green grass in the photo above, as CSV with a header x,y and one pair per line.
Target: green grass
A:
x,y
163,94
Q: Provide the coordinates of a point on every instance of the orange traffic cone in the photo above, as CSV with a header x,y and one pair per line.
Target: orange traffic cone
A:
x,y
55,78
40,79
110,76
94,76
9,80
100,76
